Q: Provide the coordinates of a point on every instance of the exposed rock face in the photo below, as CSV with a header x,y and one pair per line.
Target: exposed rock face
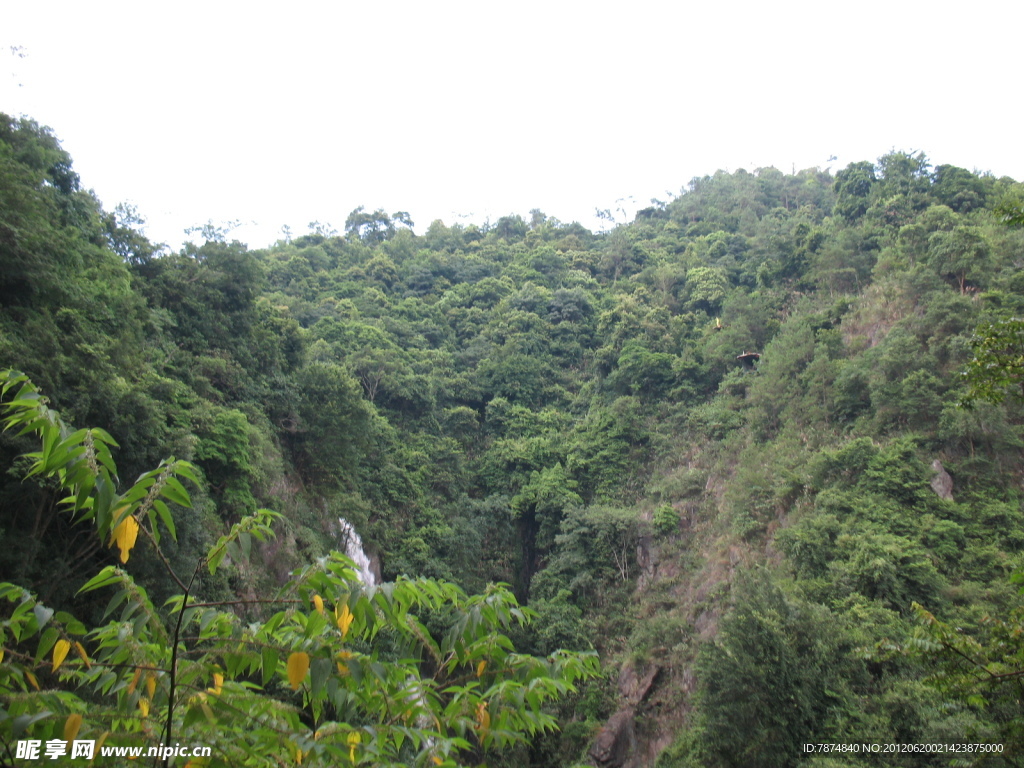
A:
x,y
942,483
616,741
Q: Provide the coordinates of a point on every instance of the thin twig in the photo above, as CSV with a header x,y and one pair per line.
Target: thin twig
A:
x,y
164,560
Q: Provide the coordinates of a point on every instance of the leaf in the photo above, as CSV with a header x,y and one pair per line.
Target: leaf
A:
x,y
104,578
21,723
165,516
43,614
135,681
353,740
71,726
49,637
269,663
174,491
318,602
319,673
483,718
124,535
344,620
298,666
60,652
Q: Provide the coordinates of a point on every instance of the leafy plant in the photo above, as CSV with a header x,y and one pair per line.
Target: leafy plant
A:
x,y
332,672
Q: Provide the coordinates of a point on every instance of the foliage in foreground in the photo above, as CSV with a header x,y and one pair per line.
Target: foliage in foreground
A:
x,y
335,672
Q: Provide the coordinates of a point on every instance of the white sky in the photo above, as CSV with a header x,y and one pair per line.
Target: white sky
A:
x,y
290,113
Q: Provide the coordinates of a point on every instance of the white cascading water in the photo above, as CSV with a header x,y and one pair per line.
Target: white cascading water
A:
x,y
354,550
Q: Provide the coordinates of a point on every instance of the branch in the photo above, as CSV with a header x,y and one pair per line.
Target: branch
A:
x,y
174,654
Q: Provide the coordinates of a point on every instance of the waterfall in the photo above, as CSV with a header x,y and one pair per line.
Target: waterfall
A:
x,y
355,552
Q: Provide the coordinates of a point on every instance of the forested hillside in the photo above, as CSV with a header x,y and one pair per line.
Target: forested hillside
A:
x,y
760,448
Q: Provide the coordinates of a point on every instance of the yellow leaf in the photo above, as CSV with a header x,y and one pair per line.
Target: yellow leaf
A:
x,y
60,652
81,652
135,681
298,756
71,726
151,684
437,760
218,683
342,666
483,717
1,655
345,618
144,707
318,602
298,666
353,741
124,534
481,667
32,679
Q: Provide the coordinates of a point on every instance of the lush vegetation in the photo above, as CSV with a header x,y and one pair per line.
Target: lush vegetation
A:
x,y
812,543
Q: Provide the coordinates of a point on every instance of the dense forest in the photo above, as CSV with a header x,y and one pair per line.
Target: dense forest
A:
x,y
741,475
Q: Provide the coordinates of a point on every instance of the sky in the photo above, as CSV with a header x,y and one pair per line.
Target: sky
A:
x,y
286,114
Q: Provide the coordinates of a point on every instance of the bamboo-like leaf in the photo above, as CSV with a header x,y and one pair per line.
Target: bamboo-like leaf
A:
x,y
298,666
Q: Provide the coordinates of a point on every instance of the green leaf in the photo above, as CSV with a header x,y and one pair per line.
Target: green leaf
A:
x,y
106,577
46,642
269,664
22,723
175,492
320,671
166,518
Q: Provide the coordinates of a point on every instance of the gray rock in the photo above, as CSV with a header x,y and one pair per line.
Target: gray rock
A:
x,y
942,483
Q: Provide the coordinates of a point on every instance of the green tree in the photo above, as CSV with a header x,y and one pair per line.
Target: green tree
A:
x,y
853,188
329,425
997,369
961,254
705,288
775,678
